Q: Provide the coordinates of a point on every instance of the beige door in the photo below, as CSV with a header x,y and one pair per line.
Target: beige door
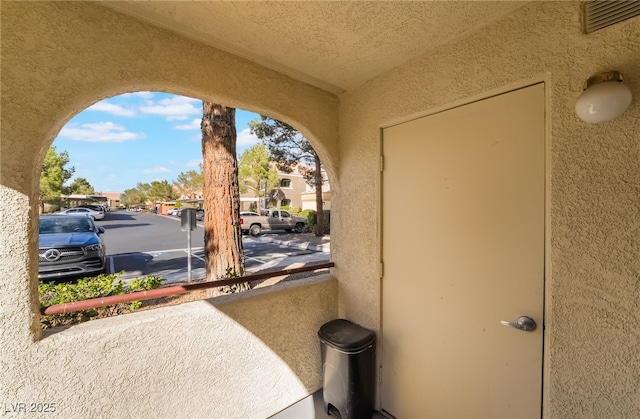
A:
x,y
463,250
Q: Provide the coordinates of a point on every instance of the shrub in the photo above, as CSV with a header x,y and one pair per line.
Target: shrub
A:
x,y
327,221
86,288
295,211
147,283
312,219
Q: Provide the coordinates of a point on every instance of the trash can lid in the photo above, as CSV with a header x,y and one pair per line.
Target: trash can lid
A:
x,y
345,335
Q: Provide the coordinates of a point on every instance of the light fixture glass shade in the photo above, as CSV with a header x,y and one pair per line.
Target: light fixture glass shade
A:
x,y
605,98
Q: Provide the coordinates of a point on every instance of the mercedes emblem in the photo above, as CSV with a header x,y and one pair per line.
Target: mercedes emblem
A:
x,y
52,255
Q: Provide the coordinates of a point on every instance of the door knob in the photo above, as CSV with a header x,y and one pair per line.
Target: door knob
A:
x,y
524,323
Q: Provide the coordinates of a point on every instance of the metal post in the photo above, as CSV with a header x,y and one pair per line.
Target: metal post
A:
x,y
188,223
189,255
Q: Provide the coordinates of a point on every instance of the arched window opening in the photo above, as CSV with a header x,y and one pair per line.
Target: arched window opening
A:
x,y
133,163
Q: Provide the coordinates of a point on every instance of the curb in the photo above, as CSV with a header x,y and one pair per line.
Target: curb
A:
x,y
324,248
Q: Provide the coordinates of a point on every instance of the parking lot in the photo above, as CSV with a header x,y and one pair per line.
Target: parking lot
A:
x,y
143,244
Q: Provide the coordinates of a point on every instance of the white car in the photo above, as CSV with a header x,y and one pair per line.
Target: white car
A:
x,y
96,215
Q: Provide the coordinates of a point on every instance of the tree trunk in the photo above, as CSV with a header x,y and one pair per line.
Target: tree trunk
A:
x,y
319,205
222,236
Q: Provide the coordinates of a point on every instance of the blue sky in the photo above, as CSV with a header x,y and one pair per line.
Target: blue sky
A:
x,y
139,137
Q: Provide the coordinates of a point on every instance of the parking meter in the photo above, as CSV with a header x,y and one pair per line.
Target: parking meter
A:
x,y
188,219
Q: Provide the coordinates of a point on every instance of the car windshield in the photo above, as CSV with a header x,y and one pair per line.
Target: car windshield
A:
x,y
65,225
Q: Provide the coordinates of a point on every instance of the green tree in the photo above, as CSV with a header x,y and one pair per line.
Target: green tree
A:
x,y
189,183
53,175
80,186
222,236
161,191
144,189
132,197
255,172
290,150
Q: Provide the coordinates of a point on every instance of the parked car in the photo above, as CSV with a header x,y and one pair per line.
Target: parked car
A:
x,y
96,215
200,214
271,220
170,211
70,246
94,207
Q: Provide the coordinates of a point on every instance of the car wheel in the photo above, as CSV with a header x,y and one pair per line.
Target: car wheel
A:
x,y
299,227
255,230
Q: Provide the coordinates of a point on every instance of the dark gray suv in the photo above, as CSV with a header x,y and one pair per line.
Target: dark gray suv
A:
x,y
70,246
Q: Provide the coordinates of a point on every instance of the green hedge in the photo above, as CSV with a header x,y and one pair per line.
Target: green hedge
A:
x,y
312,219
52,293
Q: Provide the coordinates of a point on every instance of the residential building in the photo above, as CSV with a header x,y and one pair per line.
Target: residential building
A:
x,y
294,188
308,197
113,199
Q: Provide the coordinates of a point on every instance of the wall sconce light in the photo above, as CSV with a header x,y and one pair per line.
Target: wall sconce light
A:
x,y
605,97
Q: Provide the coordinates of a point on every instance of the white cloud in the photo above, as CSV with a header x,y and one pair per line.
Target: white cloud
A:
x,y
101,132
104,106
193,125
193,163
145,95
156,170
246,138
176,108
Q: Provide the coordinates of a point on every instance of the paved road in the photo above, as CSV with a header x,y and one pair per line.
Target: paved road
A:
x,y
142,244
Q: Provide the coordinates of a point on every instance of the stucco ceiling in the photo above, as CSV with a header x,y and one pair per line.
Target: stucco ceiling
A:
x,y
335,45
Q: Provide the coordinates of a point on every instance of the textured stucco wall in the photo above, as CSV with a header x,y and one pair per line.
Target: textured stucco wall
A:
x,y
593,322
229,357
189,361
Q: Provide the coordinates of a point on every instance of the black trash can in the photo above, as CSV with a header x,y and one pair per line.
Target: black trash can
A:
x,y
348,369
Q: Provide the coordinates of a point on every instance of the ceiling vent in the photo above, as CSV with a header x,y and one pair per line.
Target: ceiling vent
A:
x,y
599,14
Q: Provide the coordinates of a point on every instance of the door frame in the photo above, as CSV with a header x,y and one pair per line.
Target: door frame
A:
x,y
546,303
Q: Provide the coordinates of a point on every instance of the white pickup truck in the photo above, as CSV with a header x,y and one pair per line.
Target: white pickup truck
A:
x,y
271,219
